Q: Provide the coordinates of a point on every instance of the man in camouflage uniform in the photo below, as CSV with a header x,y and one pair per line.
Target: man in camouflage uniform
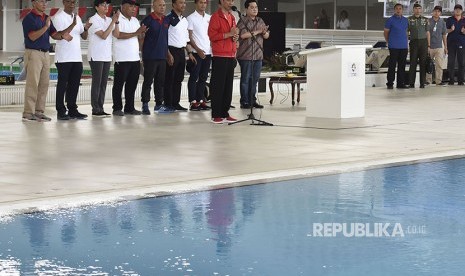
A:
x,y
419,36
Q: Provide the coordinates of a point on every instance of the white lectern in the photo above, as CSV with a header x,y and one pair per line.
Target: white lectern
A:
x,y
336,81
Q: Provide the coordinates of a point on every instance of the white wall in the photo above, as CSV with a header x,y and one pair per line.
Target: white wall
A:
x,y
1,26
13,38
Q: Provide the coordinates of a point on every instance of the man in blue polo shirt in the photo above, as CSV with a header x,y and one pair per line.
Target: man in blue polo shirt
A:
x,y
395,34
455,44
37,28
154,52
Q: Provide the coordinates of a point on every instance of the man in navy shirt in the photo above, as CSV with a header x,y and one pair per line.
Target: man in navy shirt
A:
x,y
154,52
395,34
37,28
455,44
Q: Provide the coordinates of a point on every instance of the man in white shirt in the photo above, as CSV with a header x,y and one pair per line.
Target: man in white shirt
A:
x,y
127,34
199,40
68,60
178,38
99,54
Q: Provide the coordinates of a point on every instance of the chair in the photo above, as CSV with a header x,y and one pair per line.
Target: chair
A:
x,y
313,45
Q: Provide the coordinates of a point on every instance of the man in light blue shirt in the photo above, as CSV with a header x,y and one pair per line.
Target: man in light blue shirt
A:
x,y
438,39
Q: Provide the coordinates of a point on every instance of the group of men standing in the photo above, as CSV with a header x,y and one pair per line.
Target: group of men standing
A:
x,y
164,40
431,37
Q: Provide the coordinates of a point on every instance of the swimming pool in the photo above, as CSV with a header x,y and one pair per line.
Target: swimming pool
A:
x,y
406,220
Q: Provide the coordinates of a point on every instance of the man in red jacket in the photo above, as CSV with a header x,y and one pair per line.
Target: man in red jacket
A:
x,y
223,35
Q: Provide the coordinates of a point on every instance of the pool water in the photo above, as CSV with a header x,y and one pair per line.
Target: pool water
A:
x,y
302,227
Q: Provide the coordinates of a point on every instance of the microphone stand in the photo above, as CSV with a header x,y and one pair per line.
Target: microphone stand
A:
x,y
251,116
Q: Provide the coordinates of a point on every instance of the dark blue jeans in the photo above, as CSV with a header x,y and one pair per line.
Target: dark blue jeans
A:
x,y
397,57
456,52
250,73
198,78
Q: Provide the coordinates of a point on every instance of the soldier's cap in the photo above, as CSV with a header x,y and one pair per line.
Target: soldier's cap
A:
x,y
458,6
416,5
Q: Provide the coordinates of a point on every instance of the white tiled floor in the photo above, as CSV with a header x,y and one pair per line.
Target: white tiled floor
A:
x,y
68,163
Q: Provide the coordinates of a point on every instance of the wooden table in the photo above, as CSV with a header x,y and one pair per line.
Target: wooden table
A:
x,y
293,81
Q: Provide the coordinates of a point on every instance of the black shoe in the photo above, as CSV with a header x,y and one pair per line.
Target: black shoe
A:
x,y
451,83
422,86
77,115
460,83
179,107
442,83
402,87
256,105
63,117
98,114
118,113
134,112
145,109
245,106
390,87
411,86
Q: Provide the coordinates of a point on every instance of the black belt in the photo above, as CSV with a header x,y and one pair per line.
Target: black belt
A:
x,y
176,48
42,50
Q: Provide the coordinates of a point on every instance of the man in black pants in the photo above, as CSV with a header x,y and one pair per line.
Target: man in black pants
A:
x,y
154,51
455,44
198,33
223,34
178,39
68,60
395,34
419,36
127,33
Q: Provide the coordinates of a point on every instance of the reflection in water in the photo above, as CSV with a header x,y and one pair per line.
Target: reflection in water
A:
x,y
68,231
10,266
220,216
249,230
37,229
99,226
126,218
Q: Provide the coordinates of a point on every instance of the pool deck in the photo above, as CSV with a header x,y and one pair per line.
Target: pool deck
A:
x,y
47,165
